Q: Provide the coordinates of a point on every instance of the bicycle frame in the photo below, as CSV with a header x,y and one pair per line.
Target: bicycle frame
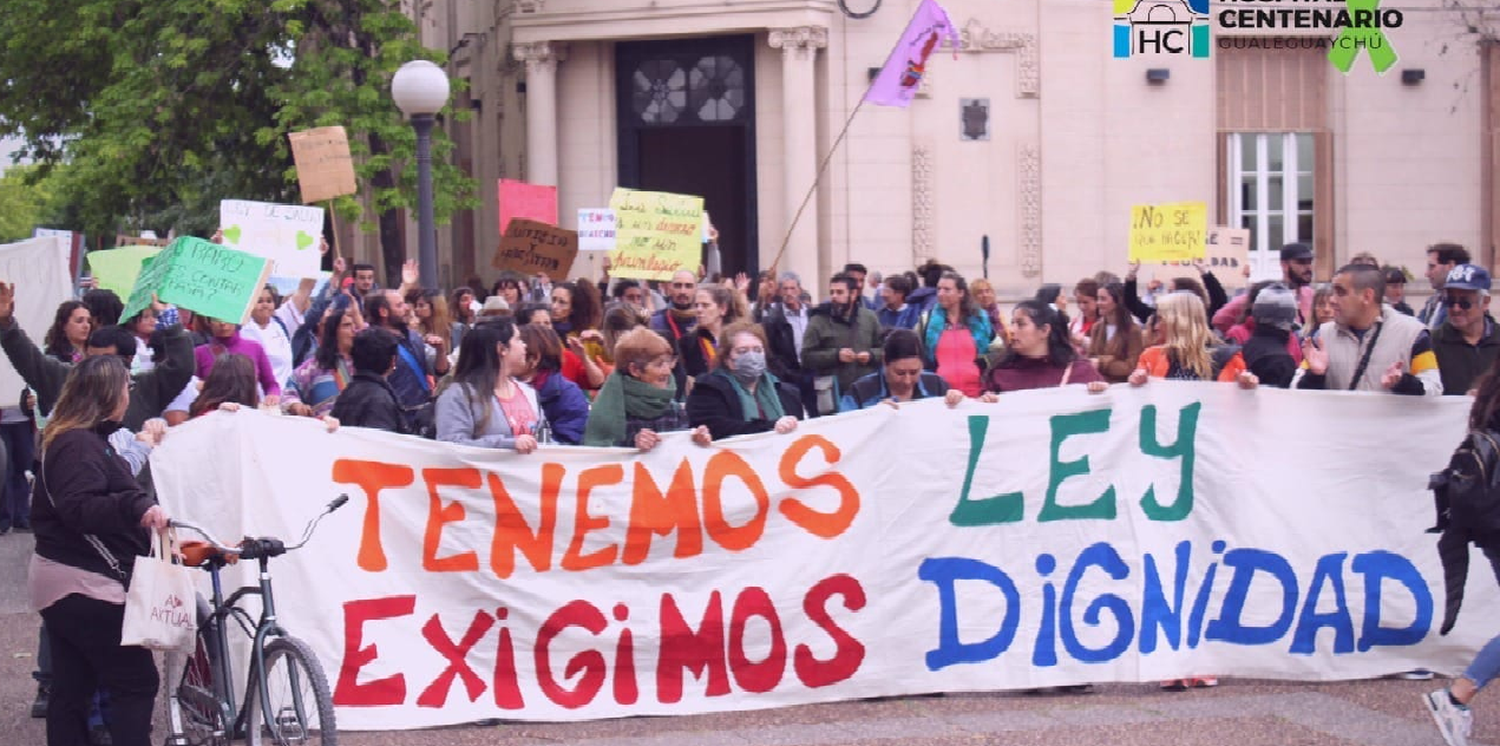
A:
x,y
267,628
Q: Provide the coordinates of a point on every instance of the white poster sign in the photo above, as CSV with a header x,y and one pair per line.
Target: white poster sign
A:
x,y
596,229
38,267
287,234
1053,538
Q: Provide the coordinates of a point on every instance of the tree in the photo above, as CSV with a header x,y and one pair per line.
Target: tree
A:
x,y
23,206
160,108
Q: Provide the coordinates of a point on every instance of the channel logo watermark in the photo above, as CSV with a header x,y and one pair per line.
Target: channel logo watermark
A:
x,y
1177,27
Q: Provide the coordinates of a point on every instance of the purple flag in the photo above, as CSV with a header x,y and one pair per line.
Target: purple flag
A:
x,y
903,71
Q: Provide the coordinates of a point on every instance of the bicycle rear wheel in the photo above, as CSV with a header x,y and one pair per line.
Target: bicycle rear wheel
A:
x,y
298,709
198,713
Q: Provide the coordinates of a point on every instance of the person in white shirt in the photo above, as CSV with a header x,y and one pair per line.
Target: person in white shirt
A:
x,y
272,334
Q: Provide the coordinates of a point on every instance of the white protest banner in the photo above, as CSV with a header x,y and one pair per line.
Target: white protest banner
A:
x,y
38,267
596,229
1056,537
286,234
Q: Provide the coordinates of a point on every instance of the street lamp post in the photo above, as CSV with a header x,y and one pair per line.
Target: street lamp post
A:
x,y
420,89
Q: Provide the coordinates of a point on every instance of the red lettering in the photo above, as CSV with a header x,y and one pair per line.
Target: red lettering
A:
x,y
751,676
436,693
684,648
390,690
590,662
372,477
721,466
439,514
850,652
574,560
626,692
507,685
512,532
826,525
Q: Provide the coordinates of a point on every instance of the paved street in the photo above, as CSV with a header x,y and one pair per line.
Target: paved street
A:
x,y
1245,713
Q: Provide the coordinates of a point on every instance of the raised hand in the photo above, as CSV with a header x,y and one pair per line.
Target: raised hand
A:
x,y
1393,375
1315,356
410,274
7,300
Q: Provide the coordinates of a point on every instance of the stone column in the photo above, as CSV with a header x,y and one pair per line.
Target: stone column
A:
x,y
541,60
799,49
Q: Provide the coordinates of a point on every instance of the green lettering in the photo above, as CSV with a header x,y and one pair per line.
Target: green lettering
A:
x,y
1184,448
1064,426
1007,508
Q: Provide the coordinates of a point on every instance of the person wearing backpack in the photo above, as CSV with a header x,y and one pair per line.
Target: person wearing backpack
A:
x,y
1467,498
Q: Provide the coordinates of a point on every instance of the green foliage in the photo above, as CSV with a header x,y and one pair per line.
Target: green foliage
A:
x,y
23,205
160,108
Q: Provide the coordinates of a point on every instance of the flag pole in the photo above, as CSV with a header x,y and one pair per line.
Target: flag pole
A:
x,y
822,169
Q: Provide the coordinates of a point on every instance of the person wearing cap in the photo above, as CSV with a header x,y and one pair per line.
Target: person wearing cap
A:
x,y
1296,274
1369,346
1264,359
1441,259
1468,343
1395,289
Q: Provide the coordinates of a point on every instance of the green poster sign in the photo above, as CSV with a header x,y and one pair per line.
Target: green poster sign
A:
x,y
116,269
203,277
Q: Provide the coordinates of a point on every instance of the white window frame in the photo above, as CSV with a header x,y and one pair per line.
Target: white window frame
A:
x,y
1265,256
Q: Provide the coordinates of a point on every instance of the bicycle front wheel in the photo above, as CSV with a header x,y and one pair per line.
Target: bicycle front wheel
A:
x,y
297,709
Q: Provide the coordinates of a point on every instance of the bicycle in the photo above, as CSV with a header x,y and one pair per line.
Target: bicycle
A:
x,y
287,700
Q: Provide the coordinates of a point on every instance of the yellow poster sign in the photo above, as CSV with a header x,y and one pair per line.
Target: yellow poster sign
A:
x,y
1171,232
658,234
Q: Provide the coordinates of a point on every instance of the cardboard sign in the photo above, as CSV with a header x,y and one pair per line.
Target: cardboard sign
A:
x,y
117,268
286,234
324,167
205,278
596,229
530,247
1228,255
1171,232
659,233
521,200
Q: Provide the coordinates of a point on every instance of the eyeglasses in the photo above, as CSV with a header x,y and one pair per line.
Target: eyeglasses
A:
x,y
1462,303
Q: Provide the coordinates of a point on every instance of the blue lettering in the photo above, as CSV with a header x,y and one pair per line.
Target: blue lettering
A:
x,y
945,572
1155,613
1200,604
1246,563
1045,652
1104,557
1330,570
1377,567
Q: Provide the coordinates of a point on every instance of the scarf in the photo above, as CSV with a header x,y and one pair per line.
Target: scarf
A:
x,y
622,398
765,398
937,323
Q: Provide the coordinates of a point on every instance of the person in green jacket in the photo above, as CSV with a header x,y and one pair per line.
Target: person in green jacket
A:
x,y
842,343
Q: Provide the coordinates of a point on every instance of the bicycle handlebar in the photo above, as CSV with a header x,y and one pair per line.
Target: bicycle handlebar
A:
x,y
265,546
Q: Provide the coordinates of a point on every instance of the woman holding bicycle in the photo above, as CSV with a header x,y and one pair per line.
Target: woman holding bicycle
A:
x,y
91,519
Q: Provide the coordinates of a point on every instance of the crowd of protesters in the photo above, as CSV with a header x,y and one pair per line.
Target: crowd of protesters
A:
x,y
532,361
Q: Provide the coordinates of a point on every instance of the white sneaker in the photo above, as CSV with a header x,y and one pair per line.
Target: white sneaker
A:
x,y
1453,721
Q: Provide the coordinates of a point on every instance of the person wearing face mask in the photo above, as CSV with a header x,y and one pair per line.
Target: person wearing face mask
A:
x,y
740,396
636,404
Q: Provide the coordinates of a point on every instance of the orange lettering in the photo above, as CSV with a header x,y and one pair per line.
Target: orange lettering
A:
x,y
655,512
512,532
583,523
826,525
372,477
439,514
723,465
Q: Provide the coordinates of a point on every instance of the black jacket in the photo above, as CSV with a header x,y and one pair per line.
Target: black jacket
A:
x,y
87,508
781,356
1460,364
1266,356
369,401
690,353
714,403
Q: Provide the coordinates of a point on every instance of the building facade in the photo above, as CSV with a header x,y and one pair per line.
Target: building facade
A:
x,y
1029,134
